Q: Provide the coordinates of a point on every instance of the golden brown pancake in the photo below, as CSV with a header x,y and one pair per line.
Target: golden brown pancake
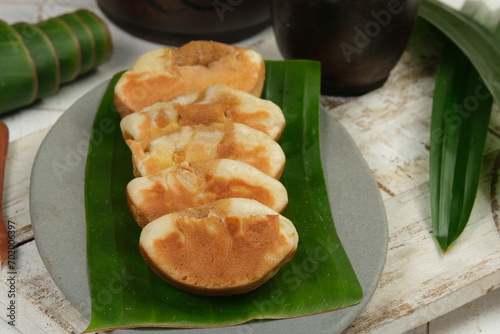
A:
x,y
189,185
227,247
218,103
205,142
164,73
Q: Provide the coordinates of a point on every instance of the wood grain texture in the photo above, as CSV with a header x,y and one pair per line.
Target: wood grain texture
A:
x,y
18,169
478,316
391,128
40,306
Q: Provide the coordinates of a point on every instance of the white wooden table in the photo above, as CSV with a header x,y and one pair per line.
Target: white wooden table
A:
x,y
419,286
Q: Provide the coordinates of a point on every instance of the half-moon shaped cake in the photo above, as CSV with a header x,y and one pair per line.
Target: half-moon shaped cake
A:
x,y
204,142
217,103
189,185
164,73
227,247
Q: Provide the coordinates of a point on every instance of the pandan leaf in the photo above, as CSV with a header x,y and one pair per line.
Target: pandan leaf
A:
x,y
480,45
460,116
463,98
18,78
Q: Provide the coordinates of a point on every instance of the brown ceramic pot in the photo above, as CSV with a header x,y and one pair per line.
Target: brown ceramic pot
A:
x,y
358,42
175,22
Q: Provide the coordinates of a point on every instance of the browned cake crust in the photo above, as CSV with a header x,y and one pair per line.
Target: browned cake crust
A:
x,y
227,247
204,142
189,185
207,163
216,104
162,74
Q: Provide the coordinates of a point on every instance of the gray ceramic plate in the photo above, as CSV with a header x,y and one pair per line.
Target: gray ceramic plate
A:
x,y
58,217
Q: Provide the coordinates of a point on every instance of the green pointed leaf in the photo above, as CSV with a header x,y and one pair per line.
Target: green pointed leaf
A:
x,y
460,117
480,45
44,55
481,13
18,81
85,39
66,45
466,85
145,300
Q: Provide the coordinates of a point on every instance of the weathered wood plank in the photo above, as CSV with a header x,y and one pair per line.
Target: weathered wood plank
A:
x,y
20,157
391,127
39,305
419,330
479,316
418,283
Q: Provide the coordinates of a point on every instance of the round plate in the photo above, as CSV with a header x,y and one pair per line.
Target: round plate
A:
x,y
57,208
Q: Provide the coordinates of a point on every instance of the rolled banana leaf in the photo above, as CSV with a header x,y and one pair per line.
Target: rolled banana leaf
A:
x,y
66,45
18,78
44,55
101,34
85,38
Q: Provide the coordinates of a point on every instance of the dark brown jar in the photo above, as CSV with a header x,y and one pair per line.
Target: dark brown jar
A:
x,y
175,22
358,42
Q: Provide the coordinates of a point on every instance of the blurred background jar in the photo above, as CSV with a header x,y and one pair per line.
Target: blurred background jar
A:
x,y
358,42
175,22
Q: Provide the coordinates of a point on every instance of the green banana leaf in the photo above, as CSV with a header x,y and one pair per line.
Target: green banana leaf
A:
x,y
18,81
126,293
44,55
66,45
85,39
